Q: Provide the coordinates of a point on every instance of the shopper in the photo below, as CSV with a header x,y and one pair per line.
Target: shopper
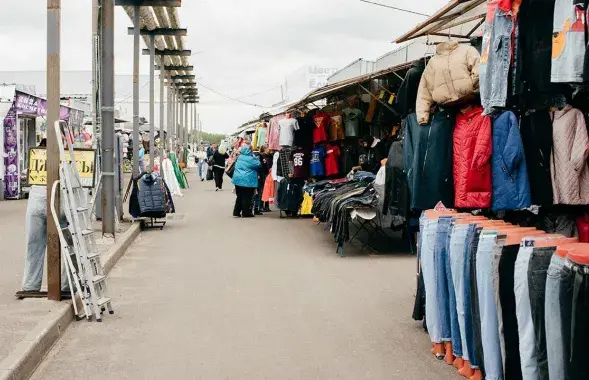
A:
x,y
245,179
218,162
203,166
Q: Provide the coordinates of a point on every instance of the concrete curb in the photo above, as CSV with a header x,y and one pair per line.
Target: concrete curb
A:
x,y
28,354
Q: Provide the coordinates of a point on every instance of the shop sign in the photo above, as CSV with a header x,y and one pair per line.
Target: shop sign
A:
x,y
85,163
11,174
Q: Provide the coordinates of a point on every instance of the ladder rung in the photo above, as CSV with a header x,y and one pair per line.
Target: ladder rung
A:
x,y
87,232
103,301
82,209
98,278
93,255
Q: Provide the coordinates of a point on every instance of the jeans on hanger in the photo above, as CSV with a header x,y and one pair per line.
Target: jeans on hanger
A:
x,y
537,271
442,275
527,339
456,257
428,267
489,320
36,232
474,332
554,323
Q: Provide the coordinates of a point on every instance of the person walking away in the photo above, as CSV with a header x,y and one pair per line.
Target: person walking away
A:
x,y
245,180
219,167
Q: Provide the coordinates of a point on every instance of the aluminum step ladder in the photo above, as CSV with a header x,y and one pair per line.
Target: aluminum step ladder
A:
x,y
93,288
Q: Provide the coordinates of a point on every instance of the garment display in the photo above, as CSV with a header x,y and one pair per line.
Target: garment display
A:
x,y
300,160
287,128
568,164
290,195
151,196
568,44
450,76
336,127
318,162
352,119
170,176
396,199
321,120
472,159
274,133
332,156
259,139
303,137
407,93
349,157
285,164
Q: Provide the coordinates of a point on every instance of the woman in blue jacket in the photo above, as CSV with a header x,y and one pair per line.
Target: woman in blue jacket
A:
x,y
245,179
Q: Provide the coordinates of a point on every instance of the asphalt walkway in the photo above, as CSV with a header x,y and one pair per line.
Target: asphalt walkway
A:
x,y
213,297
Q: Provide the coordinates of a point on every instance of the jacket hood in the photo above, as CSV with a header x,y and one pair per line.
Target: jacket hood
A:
x,y
446,48
419,64
560,113
246,151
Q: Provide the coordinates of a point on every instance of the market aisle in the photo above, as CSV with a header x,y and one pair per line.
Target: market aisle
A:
x,y
212,297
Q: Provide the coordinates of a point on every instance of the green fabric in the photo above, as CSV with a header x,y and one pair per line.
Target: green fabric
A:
x,y
177,170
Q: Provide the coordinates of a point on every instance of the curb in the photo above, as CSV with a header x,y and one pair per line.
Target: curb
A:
x,y
28,354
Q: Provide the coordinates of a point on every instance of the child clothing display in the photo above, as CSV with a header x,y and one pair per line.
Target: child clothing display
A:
x,y
287,127
300,160
317,162
336,127
352,119
321,120
332,156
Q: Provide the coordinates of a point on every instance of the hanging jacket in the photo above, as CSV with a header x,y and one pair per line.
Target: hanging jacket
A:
x,y
246,169
407,94
511,188
430,176
472,159
151,196
536,134
396,196
450,76
568,164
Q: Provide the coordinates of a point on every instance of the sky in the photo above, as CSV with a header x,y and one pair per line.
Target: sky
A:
x,y
243,47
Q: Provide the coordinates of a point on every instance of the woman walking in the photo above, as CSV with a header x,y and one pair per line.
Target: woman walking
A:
x,y
219,167
201,156
245,179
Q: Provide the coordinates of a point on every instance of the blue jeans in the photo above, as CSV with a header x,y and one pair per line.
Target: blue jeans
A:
x,y
527,339
444,278
36,229
200,166
495,61
488,308
468,312
554,326
457,250
428,267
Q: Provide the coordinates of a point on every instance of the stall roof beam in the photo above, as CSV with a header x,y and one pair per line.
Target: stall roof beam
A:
x,y
176,68
149,3
179,53
178,32
176,77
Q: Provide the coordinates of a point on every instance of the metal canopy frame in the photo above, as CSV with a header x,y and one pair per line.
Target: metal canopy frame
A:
x,y
169,52
178,32
457,19
184,76
149,3
175,68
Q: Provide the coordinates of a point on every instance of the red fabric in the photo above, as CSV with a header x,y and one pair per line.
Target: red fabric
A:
x,y
332,155
321,120
472,159
583,227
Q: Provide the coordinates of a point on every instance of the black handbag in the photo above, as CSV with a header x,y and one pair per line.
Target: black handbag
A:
x,y
230,170
210,174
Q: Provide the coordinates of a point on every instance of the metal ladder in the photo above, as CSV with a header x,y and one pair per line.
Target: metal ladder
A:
x,y
93,288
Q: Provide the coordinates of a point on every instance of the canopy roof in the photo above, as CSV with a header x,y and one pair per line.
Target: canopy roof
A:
x,y
458,19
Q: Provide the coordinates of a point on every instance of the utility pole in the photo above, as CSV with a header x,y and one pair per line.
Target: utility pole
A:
x,y
53,95
151,101
162,132
95,72
136,142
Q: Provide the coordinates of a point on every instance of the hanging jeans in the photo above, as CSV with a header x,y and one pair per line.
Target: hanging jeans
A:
x,y
506,312
443,277
527,339
428,266
457,251
574,310
554,321
36,232
537,272
471,306
488,246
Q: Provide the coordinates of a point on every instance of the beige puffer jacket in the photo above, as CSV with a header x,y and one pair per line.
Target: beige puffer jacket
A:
x,y
451,74
568,166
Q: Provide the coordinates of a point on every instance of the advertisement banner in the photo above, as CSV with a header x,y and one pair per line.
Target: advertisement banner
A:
x,y
11,175
37,171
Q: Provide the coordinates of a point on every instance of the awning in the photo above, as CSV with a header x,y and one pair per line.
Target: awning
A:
x,y
458,19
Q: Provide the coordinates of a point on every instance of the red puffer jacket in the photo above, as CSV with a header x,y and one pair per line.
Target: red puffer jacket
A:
x,y
472,159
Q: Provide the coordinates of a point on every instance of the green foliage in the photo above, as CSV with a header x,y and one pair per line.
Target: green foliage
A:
x,y
213,138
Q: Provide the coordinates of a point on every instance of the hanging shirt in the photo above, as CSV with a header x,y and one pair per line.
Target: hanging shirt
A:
x,y
275,167
287,129
317,159
274,133
336,128
300,160
262,132
568,43
352,119
332,155
321,120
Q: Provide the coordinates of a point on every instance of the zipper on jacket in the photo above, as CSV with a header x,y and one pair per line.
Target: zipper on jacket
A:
x,y
427,146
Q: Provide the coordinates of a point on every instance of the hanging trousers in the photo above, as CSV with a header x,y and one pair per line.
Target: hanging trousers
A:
x,y
474,303
243,201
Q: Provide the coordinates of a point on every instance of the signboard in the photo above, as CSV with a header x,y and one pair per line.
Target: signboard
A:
x,y
85,162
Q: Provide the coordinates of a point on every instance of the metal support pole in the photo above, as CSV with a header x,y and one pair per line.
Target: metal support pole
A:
x,y
95,73
107,102
198,136
181,127
136,51
162,132
151,101
53,90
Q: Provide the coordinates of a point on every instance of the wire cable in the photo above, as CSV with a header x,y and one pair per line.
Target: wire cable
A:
x,y
232,98
395,8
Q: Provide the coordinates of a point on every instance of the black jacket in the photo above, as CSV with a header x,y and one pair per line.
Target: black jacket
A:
x,y
396,198
373,157
407,94
219,159
151,196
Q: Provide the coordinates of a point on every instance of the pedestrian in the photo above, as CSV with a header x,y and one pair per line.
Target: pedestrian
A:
x,y
201,156
141,156
245,179
218,161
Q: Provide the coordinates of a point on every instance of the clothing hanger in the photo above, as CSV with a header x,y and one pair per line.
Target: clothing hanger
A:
x,y
545,243
563,250
579,254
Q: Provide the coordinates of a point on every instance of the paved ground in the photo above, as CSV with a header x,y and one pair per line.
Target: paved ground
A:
x,y
18,317
213,297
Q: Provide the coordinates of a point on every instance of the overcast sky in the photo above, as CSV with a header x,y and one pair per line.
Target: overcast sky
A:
x,y
246,46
